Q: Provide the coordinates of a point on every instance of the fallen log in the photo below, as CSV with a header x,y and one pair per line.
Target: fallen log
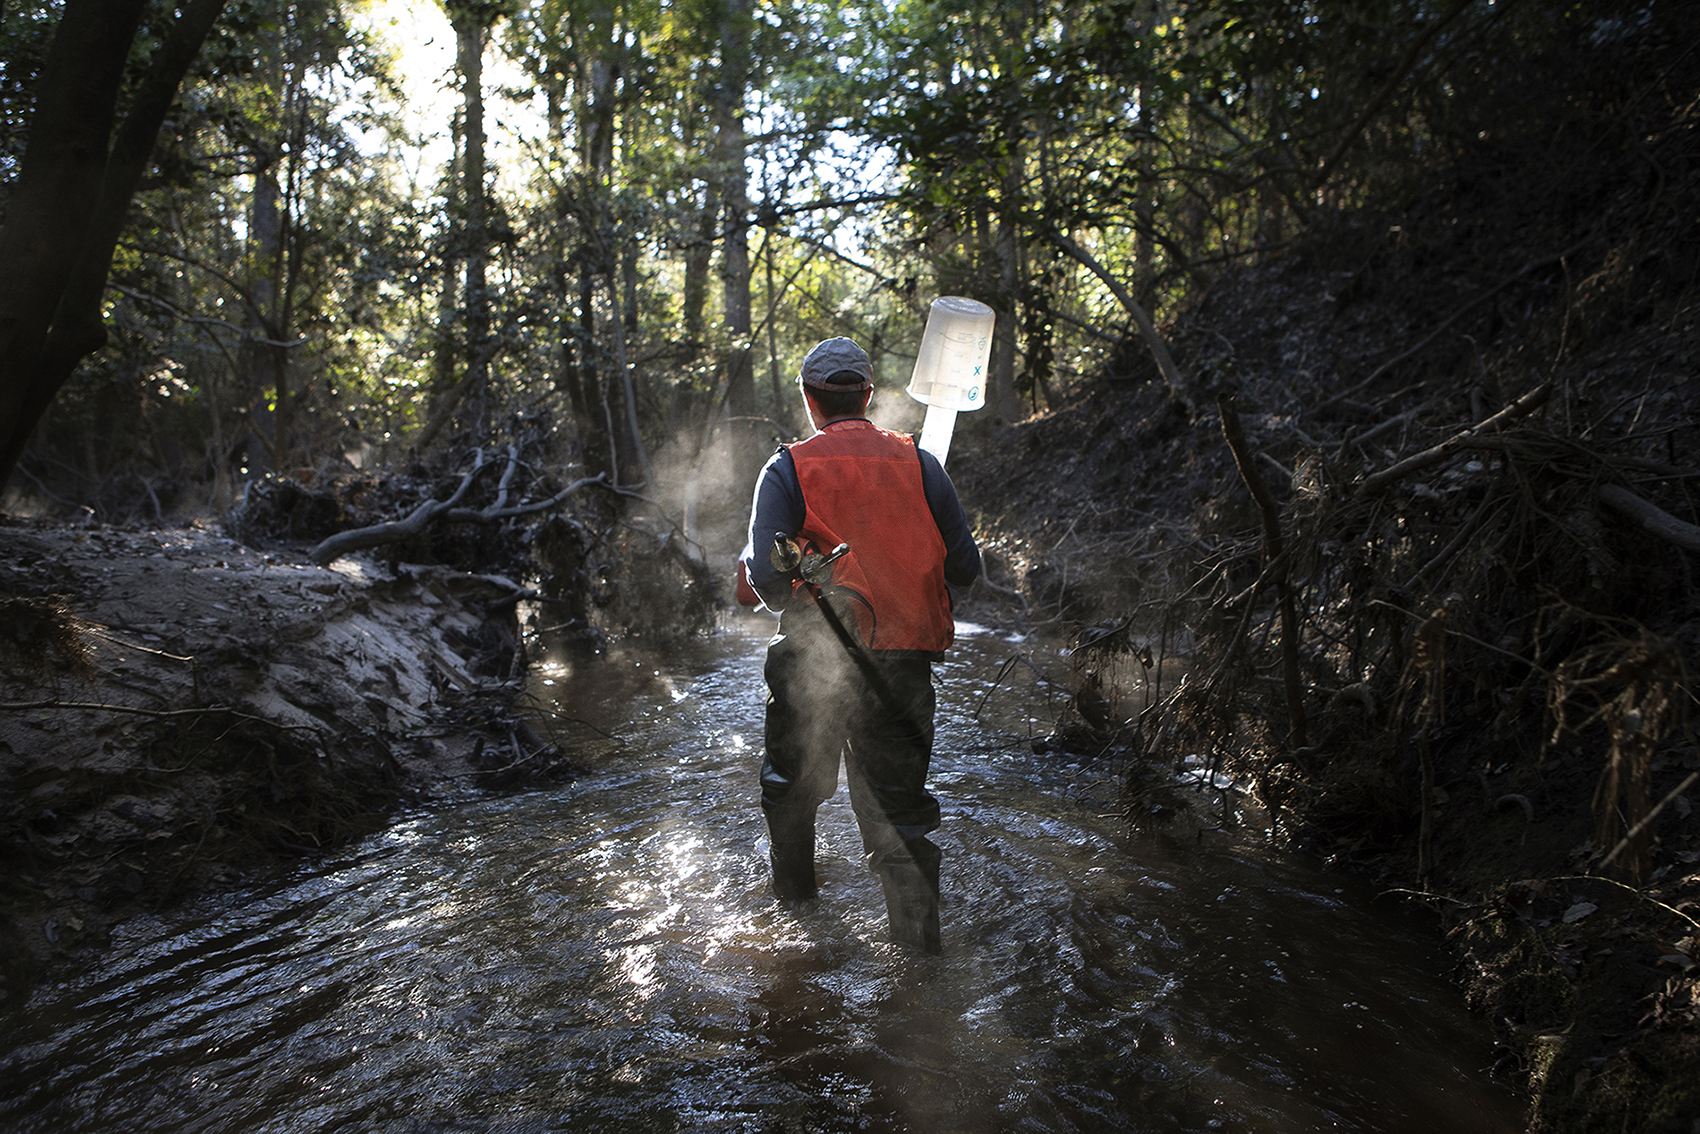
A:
x,y
1655,519
446,511
494,512
394,531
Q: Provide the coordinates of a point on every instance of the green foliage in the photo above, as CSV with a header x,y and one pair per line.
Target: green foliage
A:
x,y
895,152
197,290
25,31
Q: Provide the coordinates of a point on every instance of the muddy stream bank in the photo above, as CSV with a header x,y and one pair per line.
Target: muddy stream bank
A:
x,y
179,712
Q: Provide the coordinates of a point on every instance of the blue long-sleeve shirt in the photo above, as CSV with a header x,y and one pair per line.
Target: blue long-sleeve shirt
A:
x,y
778,507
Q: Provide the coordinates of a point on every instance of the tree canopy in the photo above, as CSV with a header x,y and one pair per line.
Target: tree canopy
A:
x,y
225,255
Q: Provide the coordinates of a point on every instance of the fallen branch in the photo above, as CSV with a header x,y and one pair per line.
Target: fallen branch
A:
x,y
493,513
1464,536
161,714
394,531
446,511
1159,348
1463,440
1626,886
1275,551
1375,431
1651,516
94,631
1002,590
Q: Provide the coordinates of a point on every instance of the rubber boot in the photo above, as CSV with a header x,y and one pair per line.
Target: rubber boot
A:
x,y
791,852
910,879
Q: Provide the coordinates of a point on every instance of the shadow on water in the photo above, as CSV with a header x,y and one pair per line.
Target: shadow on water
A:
x,y
605,957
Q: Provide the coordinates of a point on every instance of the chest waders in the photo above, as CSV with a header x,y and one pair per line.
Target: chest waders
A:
x,y
908,867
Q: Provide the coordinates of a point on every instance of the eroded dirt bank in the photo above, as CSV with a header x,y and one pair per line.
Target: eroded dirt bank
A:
x,y
1491,694
178,709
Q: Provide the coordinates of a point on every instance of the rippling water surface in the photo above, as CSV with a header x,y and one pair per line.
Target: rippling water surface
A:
x,y
604,956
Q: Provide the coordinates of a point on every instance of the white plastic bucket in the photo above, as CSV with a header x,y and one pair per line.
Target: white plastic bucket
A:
x,y
950,368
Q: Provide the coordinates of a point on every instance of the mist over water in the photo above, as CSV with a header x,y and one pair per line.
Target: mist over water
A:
x,y
605,957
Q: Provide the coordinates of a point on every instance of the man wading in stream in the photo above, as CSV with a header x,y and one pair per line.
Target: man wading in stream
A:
x,y
855,677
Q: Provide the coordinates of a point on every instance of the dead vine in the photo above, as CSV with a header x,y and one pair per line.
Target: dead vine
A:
x,y
1433,575
1639,690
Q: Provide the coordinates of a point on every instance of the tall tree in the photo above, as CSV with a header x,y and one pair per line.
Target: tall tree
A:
x,y
472,21
254,263
286,130
79,170
732,173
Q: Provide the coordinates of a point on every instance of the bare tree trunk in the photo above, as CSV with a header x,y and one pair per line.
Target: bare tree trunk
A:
x,y
1274,550
217,455
629,286
1145,193
582,370
1001,398
699,251
772,319
596,257
445,353
735,250
1144,247
634,446
471,23
698,260
262,364
567,377
732,143
470,29
59,185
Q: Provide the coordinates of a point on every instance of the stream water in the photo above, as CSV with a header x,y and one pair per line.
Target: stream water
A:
x,y
604,956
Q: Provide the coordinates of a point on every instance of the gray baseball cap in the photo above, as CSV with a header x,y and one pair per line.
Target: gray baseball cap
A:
x,y
832,357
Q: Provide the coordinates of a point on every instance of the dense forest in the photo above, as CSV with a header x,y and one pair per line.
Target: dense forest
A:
x,y
1344,361
227,257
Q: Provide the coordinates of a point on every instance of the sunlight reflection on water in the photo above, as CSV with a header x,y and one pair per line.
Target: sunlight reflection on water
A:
x,y
605,956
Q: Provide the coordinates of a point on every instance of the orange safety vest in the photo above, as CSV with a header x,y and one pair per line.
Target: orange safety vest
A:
x,y
862,486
